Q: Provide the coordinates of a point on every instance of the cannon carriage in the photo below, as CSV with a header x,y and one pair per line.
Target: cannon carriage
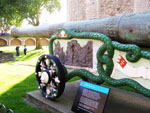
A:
x,y
51,73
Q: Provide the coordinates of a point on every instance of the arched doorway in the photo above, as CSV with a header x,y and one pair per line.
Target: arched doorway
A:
x,y
3,42
15,41
44,42
30,42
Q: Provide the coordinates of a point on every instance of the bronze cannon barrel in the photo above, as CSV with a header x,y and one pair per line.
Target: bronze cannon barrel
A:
x,y
129,28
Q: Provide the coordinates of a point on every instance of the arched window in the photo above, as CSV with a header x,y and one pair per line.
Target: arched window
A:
x,y
15,41
3,42
44,42
30,42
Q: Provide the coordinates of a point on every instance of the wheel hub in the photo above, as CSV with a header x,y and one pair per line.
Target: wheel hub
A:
x,y
44,77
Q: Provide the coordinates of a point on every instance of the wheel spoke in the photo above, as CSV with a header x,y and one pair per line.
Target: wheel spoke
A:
x,y
53,67
47,62
39,74
57,80
43,66
48,91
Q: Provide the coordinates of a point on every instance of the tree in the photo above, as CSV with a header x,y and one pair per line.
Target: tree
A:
x,y
35,8
4,25
11,13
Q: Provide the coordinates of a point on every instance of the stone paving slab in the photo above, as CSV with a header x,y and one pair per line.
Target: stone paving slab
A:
x,y
119,101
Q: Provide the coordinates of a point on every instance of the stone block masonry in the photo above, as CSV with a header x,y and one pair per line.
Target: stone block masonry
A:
x,y
90,9
4,57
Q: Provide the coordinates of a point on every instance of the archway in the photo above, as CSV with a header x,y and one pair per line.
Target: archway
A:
x,y
15,41
3,42
30,42
44,42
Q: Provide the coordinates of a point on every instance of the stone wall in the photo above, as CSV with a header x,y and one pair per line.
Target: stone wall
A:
x,y
141,6
76,10
4,57
89,9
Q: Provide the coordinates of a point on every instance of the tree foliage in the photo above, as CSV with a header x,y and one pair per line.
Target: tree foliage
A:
x,y
11,13
35,8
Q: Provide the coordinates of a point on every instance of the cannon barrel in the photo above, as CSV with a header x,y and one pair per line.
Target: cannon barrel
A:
x,y
129,28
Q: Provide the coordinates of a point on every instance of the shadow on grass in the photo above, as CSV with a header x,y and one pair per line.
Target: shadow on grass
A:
x,y
29,56
13,98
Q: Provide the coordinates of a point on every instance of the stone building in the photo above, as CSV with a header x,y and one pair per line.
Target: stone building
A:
x,y
89,9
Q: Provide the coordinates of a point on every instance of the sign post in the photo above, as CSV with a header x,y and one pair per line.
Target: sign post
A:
x,y
90,98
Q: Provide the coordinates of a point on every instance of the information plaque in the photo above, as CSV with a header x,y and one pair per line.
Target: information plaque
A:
x,y
90,98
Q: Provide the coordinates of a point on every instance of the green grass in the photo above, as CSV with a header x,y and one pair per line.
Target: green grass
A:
x,y
74,79
14,97
17,78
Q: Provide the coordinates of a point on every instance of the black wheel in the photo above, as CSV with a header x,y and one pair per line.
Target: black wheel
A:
x,y
50,76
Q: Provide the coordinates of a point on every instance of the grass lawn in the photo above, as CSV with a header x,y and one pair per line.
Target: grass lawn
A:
x,y
17,78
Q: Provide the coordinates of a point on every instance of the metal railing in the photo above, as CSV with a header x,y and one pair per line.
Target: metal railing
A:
x,y
4,110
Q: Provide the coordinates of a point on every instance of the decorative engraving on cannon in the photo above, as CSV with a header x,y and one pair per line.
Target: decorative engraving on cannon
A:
x,y
75,55
112,28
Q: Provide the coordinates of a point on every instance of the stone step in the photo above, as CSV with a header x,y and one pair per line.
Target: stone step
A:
x,y
119,101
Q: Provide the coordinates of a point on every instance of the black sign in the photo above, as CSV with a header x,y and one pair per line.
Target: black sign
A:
x,y
90,98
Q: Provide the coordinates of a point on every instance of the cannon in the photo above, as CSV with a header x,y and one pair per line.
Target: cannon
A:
x,y
129,28
52,75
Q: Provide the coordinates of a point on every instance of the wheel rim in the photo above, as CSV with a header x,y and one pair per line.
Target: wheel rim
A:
x,y
50,76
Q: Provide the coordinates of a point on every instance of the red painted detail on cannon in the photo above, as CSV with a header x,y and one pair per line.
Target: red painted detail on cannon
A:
x,y
121,61
62,34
